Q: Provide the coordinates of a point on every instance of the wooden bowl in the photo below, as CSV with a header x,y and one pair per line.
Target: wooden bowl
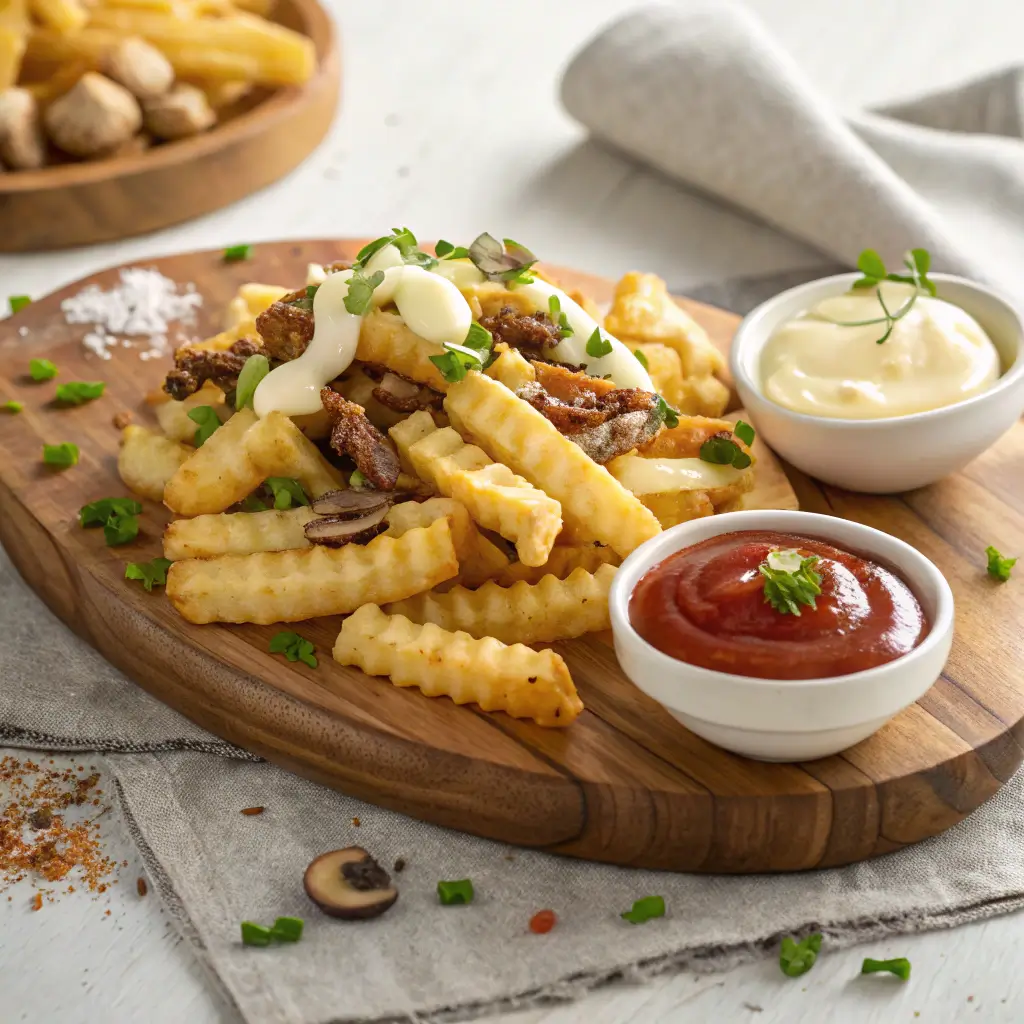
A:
x,y
103,200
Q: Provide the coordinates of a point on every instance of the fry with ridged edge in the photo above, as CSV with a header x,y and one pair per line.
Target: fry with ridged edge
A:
x,y
147,461
385,339
514,433
510,368
218,474
287,586
237,533
173,418
276,447
526,613
521,682
562,561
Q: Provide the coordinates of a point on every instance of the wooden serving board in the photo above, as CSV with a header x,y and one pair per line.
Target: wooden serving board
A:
x,y
260,139
625,783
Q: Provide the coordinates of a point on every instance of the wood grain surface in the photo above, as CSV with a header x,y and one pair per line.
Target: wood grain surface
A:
x,y
262,139
625,783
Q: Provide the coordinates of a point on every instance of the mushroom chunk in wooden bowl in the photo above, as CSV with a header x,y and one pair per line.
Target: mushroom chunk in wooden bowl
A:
x,y
118,119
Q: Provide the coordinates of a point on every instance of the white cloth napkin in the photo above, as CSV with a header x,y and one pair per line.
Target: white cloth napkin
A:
x,y
702,93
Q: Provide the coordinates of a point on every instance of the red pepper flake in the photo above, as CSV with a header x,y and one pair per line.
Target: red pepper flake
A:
x,y
106,913
253,810
141,887
542,922
37,901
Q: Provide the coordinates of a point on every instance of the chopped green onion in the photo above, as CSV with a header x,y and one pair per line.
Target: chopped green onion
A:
x,y
76,392
12,406
237,253
255,369
642,359
64,454
18,302
293,647
790,581
152,574
42,369
357,481
286,491
288,929
999,568
900,966
256,934
597,345
478,338
796,958
451,893
645,910
669,416
208,421
96,513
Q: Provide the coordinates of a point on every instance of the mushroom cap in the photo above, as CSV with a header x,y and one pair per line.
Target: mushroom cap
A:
x,y
327,886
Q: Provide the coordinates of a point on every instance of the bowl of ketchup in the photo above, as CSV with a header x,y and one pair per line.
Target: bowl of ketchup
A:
x,y
783,636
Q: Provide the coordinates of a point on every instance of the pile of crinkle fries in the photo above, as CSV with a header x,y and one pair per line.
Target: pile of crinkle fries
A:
x,y
452,522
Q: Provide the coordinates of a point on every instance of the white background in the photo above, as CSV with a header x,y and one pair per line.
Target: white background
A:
x,y
450,124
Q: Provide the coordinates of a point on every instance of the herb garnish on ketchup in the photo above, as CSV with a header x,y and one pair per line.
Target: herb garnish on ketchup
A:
x,y
776,606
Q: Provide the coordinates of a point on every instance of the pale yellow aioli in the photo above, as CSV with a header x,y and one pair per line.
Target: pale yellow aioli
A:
x,y
432,306
937,354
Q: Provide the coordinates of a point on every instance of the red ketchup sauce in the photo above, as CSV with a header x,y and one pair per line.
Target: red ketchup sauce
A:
x,y
705,605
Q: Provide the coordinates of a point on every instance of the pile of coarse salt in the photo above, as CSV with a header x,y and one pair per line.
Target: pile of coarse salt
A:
x,y
144,304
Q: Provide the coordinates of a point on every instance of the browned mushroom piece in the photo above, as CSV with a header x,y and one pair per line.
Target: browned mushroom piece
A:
x,y
349,503
349,884
336,531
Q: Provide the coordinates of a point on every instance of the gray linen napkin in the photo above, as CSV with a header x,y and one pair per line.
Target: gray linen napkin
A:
x,y
214,867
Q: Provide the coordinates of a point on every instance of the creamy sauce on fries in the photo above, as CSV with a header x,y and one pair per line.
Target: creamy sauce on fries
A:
x,y
433,307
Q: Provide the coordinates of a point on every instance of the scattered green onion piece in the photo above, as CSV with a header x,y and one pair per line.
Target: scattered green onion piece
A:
x,y
642,359
645,909
999,567
452,893
357,481
256,934
790,581
900,966
256,367
63,455
288,493
478,338
796,958
597,345
287,929
76,392
669,416
18,302
152,574
293,647
12,406
96,513
207,420
42,369
237,253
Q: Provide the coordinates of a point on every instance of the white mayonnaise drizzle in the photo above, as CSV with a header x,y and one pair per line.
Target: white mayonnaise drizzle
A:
x,y
433,307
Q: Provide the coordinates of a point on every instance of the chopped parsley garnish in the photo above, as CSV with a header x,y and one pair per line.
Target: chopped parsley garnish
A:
x,y
447,251
900,966
558,318
42,369
357,481
286,491
509,261
669,416
721,450
255,369
12,406
597,345
451,893
256,934
999,568
64,454
870,264
796,958
457,361
237,253
642,359
287,929
117,516
76,392
152,574
745,432
790,581
294,647
17,302
207,420
645,910
361,289
405,242
478,338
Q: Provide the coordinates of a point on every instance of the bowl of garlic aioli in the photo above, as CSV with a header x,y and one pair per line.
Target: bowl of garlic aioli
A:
x,y
943,386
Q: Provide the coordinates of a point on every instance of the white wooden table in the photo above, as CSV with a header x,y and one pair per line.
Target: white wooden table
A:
x,y
450,125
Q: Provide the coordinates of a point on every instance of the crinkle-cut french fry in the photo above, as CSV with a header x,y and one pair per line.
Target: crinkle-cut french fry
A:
x,y
479,559
562,561
237,533
173,415
276,447
528,613
495,496
521,682
251,300
358,387
286,586
510,368
65,16
408,432
147,461
515,434
217,475
384,339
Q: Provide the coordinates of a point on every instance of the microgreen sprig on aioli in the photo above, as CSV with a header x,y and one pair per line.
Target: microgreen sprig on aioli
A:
x,y
870,264
789,580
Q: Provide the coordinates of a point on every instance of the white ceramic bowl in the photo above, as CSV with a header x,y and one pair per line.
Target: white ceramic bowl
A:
x,y
788,719
901,452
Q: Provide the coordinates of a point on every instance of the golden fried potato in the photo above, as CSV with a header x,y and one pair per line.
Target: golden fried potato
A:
x,y
287,586
511,368
666,371
251,300
528,613
218,474
514,433
173,415
276,447
562,561
147,461
683,441
384,339
223,341
358,387
496,498
521,682
237,533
